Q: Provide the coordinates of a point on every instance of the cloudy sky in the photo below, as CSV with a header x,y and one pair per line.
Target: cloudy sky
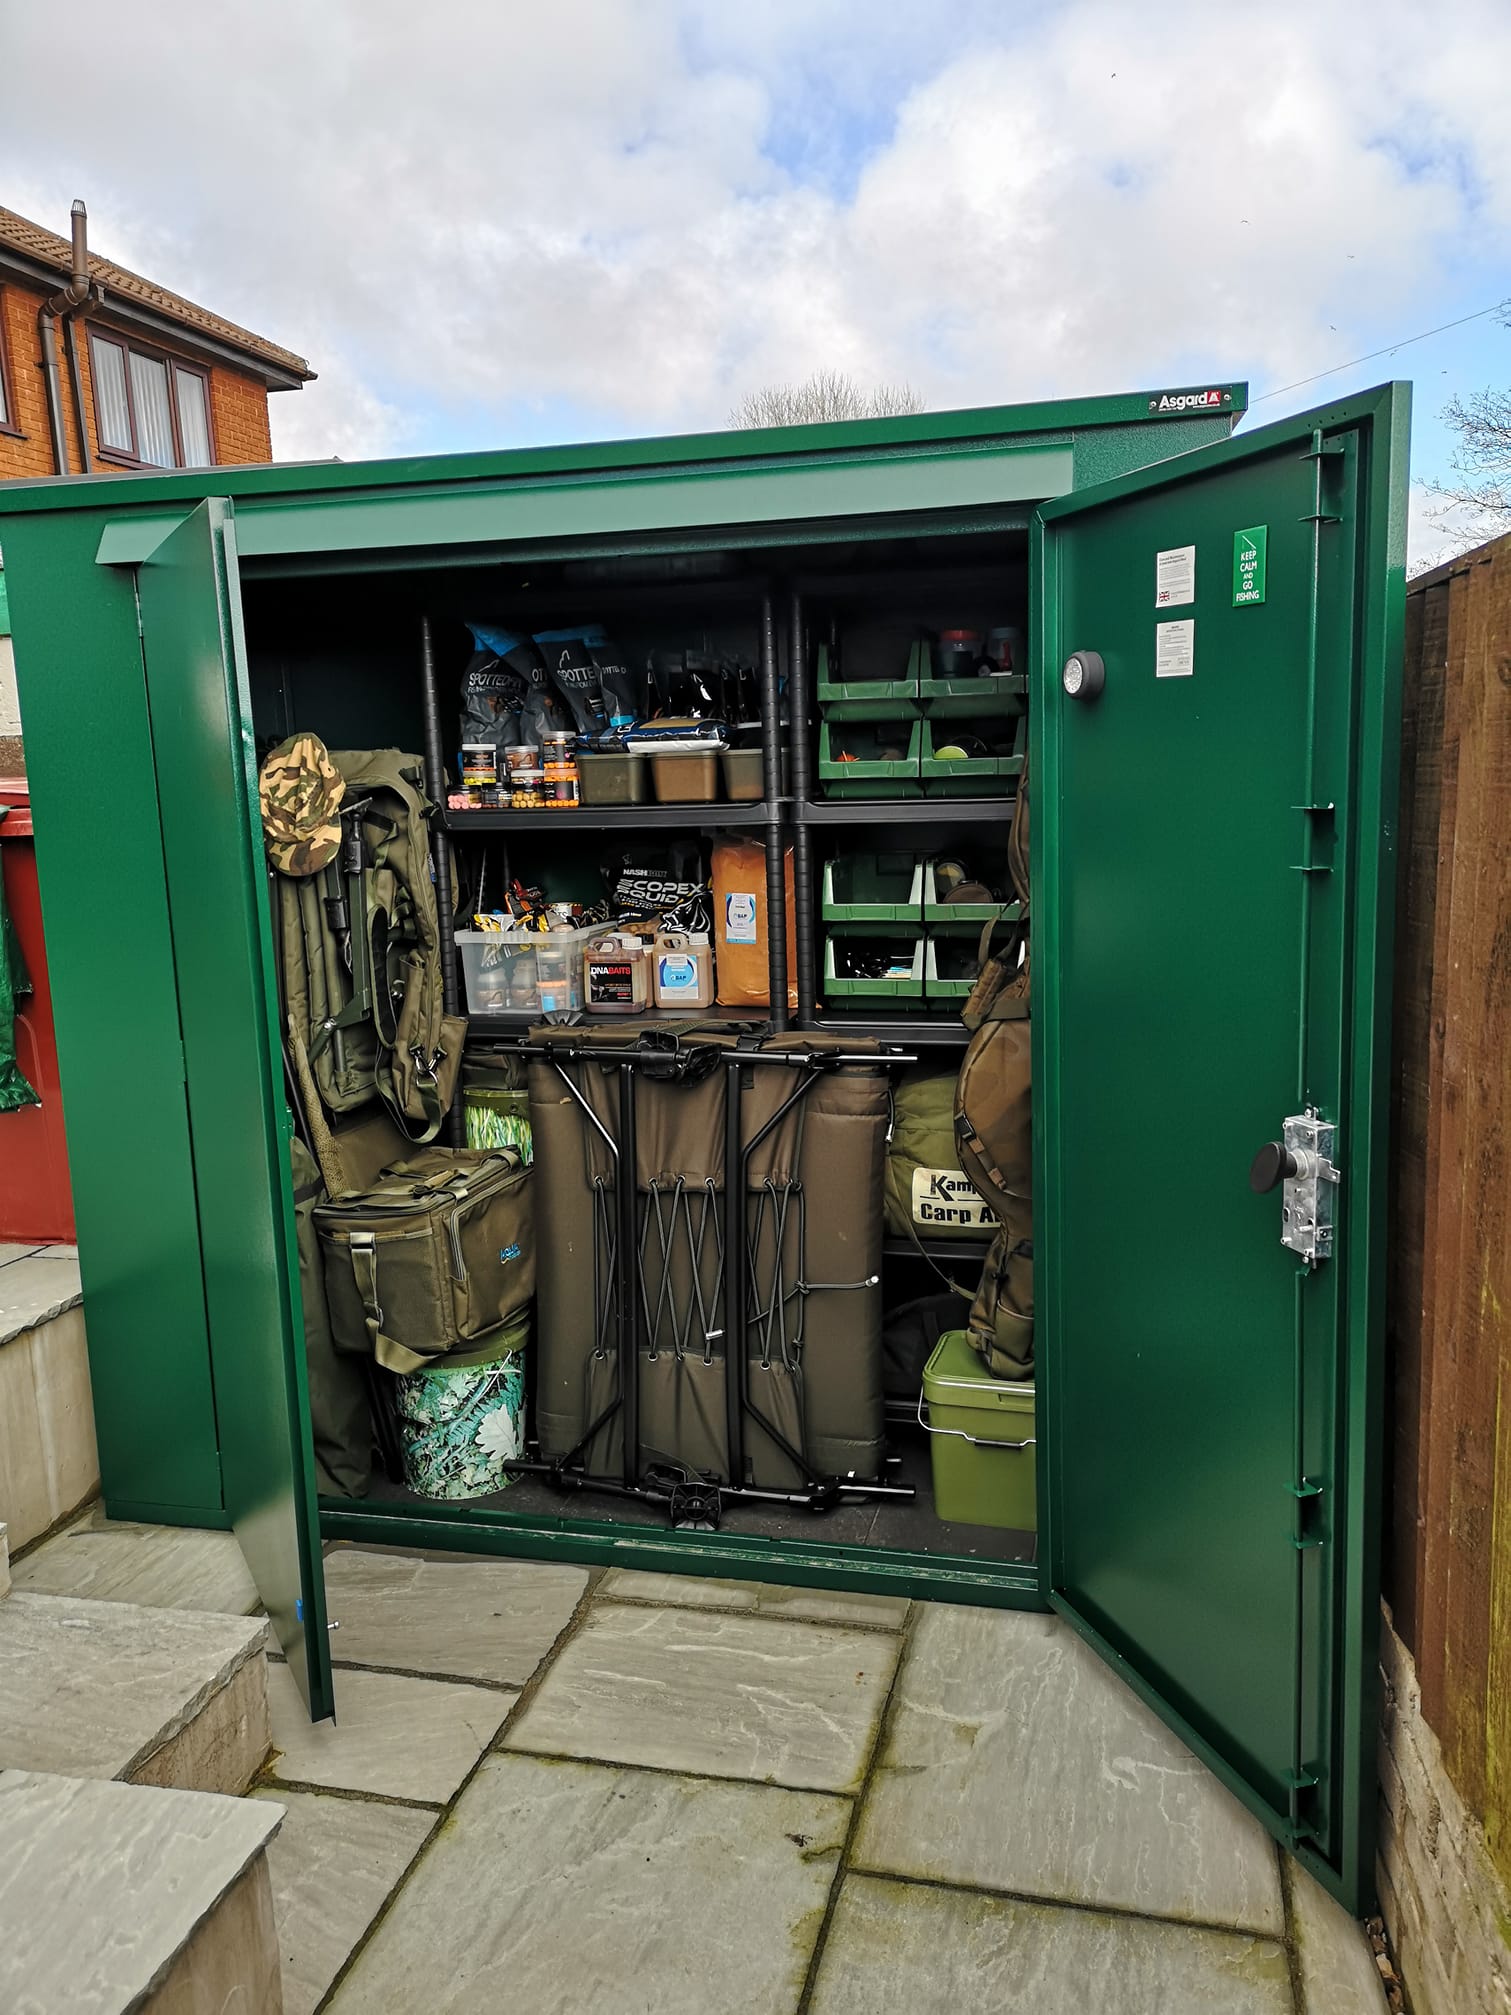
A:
x,y
486,222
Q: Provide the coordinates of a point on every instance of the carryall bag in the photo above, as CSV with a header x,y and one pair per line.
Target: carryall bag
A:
x,y
994,1123
926,1194
435,1257
340,1413
358,940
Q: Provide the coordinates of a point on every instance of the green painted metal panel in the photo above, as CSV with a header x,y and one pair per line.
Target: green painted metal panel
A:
x,y
218,902
814,1563
1053,417
487,514
115,1008
1213,866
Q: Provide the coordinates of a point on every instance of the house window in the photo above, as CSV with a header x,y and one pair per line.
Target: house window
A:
x,y
7,406
149,409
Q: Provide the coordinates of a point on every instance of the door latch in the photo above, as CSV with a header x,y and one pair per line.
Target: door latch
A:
x,y
1302,1162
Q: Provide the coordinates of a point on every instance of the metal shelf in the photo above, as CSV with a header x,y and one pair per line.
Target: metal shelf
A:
x,y
513,1022
934,1248
906,1033
598,818
902,811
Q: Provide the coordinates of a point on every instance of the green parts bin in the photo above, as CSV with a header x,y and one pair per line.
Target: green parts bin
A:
x,y
874,888
869,699
981,1439
936,910
897,945
461,1422
853,763
973,775
951,963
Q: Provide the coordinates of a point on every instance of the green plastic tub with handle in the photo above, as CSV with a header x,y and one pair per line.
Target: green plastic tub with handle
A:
x,y
981,1439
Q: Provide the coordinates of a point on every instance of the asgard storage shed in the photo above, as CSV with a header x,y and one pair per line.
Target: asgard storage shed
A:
x,y
1212,866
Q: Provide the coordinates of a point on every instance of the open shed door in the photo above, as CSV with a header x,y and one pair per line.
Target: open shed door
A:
x,y
201,718
1214,842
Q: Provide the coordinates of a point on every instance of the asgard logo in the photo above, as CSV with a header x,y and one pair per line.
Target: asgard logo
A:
x,y
1187,402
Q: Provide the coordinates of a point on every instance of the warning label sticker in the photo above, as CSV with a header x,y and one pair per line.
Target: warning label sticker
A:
x,y
1174,577
1175,649
942,1197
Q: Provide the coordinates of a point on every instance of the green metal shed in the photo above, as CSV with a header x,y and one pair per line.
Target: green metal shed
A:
x,y
1213,697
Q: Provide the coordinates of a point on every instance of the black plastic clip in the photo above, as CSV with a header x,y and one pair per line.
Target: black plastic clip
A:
x,y
695,1507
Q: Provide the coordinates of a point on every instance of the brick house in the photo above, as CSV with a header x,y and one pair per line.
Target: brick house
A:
x,y
163,382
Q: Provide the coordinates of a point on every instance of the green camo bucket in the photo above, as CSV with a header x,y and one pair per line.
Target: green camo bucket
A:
x,y
460,1423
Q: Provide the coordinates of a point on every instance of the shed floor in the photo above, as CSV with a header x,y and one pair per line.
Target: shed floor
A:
x,y
580,1790
908,1525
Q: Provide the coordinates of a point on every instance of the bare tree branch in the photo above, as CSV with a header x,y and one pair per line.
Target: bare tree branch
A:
x,y
1483,460
827,395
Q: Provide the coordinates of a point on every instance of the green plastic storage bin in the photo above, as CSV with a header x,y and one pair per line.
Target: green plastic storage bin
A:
x,y
873,888
870,775
951,964
976,693
981,1439
899,940
975,776
869,699
937,911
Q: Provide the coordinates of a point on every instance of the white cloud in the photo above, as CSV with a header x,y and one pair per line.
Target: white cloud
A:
x,y
643,210
1437,531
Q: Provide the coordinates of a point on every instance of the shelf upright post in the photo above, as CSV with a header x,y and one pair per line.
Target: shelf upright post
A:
x,y
440,855
804,929
771,768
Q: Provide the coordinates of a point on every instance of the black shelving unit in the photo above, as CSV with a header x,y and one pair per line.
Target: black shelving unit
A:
x,y
788,816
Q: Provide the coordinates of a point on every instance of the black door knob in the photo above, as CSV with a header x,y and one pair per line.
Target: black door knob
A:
x,y
1273,1163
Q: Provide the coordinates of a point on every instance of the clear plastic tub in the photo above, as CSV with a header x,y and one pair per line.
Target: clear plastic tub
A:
x,y
523,972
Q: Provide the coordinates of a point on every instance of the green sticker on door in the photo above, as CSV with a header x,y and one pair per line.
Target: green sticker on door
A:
x,y
1248,565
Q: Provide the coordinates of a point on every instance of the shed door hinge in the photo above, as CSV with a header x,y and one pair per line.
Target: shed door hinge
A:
x,y
1301,1801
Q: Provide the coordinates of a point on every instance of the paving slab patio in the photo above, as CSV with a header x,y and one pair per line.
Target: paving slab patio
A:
x,y
761,1598
333,1865
159,1566
720,1695
394,1737
897,1948
1014,1760
573,1889
493,1620
1337,1967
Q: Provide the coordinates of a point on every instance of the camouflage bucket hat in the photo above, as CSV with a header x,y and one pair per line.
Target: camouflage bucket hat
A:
x,y
300,790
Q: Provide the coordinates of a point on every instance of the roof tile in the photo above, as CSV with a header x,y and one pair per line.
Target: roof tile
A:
x,y
21,235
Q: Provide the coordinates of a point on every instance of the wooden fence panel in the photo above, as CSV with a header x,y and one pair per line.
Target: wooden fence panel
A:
x,y
1450,1314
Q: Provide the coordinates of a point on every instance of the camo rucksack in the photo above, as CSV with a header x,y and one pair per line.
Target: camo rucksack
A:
x,y
994,1124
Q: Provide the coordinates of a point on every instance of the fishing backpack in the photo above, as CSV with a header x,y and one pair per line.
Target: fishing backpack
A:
x,y
994,1124
359,954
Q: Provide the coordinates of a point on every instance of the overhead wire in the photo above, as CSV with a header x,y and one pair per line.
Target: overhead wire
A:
x,y
1389,350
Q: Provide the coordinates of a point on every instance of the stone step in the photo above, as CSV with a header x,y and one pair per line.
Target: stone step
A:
x,y
48,1459
169,1697
119,1897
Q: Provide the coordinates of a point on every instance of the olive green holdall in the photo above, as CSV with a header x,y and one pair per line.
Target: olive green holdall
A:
x,y
436,1256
